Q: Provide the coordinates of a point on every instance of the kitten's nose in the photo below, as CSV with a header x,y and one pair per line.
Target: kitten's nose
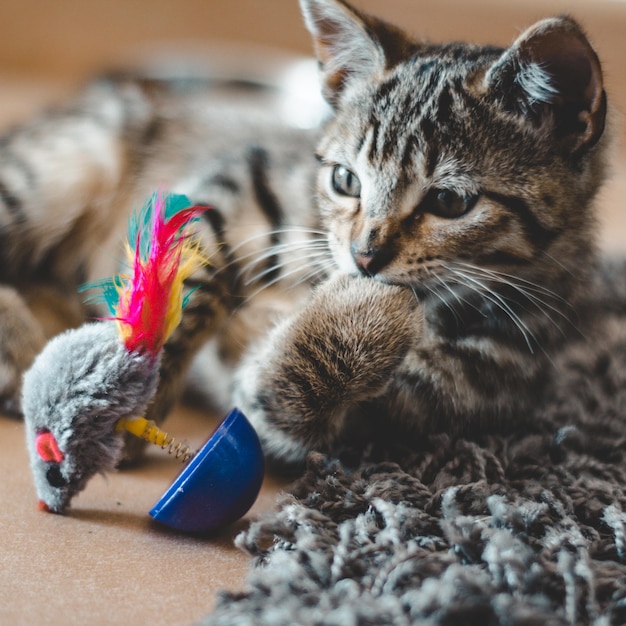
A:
x,y
370,260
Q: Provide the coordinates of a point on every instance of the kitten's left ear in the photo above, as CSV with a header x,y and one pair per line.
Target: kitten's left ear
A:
x,y
552,67
350,45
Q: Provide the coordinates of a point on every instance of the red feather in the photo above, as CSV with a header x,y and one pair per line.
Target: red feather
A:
x,y
151,300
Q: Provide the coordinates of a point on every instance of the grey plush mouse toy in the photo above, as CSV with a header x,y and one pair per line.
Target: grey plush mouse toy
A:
x,y
88,381
73,395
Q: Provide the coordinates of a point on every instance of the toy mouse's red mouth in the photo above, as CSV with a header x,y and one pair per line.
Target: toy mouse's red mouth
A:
x,y
42,506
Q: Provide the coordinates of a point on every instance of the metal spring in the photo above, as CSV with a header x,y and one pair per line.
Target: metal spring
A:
x,y
148,430
178,449
155,435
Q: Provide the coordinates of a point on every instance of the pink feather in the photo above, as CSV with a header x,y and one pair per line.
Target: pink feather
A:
x,y
152,297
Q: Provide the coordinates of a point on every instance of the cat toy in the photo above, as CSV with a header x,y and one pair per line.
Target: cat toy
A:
x,y
92,384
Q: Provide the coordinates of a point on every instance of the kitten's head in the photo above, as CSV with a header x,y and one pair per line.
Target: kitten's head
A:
x,y
440,157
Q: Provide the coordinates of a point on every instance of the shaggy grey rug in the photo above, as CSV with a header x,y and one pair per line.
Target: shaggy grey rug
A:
x,y
520,528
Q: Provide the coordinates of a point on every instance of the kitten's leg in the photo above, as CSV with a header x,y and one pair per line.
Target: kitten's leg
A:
x,y
60,179
312,369
22,338
28,319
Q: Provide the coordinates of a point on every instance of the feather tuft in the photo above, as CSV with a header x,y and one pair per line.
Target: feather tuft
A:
x,y
148,303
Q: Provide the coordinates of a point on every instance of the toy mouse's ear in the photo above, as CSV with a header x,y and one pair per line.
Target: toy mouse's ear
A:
x,y
48,448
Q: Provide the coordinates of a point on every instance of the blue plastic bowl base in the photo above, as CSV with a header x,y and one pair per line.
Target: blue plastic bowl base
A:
x,y
220,483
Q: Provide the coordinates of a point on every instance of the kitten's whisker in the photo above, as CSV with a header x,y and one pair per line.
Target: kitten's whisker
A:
x,y
539,303
265,234
278,266
268,253
287,245
485,290
500,302
279,231
272,250
271,283
295,256
532,286
557,262
436,293
323,262
319,270
279,246
458,297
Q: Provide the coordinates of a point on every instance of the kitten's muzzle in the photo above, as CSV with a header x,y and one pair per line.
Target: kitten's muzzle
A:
x,y
371,260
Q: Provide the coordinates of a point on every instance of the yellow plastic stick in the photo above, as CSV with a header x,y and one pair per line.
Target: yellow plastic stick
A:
x,y
148,430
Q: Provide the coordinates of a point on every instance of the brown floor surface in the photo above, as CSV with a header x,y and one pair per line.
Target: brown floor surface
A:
x,y
106,561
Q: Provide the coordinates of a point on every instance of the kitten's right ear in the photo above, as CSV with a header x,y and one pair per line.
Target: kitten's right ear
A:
x,y
349,44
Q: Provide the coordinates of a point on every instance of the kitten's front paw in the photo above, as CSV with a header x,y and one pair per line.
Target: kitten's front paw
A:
x,y
298,386
21,339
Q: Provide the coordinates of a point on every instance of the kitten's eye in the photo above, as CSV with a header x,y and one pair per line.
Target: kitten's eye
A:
x,y
447,203
345,182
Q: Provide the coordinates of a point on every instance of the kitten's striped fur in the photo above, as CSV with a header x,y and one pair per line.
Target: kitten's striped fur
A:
x,y
70,178
454,197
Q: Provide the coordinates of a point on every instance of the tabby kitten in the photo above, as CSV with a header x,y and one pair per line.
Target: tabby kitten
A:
x,y
455,184
453,195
